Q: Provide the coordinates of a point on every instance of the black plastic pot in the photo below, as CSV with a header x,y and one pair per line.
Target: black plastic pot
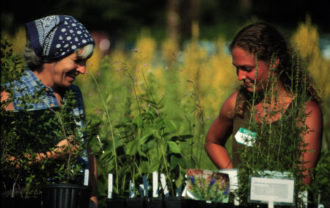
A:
x,y
155,203
199,204
136,203
190,203
174,202
116,203
65,196
17,202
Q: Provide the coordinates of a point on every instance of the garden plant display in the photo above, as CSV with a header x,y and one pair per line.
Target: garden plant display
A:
x,y
155,103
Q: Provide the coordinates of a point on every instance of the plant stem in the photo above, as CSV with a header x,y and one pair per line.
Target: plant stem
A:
x,y
111,128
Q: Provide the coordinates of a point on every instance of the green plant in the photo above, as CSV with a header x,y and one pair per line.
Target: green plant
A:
x,y
11,64
278,145
143,141
321,187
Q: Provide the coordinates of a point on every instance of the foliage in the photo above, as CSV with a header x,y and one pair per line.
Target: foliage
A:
x,y
11,64
306,40
144,141
141,82
321,187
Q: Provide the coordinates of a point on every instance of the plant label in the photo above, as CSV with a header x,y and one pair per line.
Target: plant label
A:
x,y
245,137
272,190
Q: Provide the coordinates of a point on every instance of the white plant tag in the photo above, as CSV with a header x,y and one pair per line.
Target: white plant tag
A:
x,y
86,177
131,189
245,137
155,184
164,185
110,185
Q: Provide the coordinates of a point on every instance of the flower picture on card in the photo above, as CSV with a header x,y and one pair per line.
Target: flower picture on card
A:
x,y
207,185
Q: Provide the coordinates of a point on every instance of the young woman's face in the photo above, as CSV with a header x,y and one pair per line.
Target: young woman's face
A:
x,y
66,70
250,71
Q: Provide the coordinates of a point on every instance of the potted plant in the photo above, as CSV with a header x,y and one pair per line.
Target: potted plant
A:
x,y
147,144
68,186
275,143
143,142
12,193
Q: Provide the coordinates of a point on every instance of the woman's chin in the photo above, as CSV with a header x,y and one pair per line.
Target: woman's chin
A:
x,y
252,89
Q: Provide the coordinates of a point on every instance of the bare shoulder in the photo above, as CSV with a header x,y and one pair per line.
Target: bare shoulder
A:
x,y
228,107
313,108
314,117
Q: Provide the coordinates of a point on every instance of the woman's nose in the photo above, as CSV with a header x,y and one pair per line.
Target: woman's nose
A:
x,y
241,75
81,69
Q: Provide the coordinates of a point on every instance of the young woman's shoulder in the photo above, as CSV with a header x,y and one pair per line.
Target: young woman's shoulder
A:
x,y
231,100
228,107
313,109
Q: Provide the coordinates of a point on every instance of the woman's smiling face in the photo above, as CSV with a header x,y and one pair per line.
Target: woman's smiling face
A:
x,y
249,70
64,71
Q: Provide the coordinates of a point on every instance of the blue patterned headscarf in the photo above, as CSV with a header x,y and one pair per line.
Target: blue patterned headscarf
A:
x,y
55,37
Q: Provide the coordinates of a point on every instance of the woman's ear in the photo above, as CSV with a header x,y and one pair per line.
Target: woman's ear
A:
x,y
274,64
277,62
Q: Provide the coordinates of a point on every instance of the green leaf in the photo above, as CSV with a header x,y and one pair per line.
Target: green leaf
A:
x,y
170,125
108,98
179,180
145,135
132,147
154,165
139,121
174,161
174,148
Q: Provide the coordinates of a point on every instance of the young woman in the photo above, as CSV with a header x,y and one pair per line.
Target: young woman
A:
x,y
272,85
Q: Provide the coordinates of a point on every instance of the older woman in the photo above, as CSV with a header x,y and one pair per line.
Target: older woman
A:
x,y
56,52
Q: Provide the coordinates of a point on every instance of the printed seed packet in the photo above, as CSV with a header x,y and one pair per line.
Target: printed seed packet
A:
x,y
207,185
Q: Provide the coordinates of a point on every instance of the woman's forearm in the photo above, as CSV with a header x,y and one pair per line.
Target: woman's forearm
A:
x,y
218,155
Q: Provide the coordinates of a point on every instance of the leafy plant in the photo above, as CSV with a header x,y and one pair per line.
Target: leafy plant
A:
x,y
321,187
279,145
144,141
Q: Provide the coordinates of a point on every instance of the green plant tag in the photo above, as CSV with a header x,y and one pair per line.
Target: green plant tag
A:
x,y
245,137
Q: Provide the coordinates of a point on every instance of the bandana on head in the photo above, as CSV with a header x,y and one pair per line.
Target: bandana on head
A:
x,y
55,37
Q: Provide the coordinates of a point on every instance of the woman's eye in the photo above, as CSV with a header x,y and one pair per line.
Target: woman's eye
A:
x,y
247,69
80,61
